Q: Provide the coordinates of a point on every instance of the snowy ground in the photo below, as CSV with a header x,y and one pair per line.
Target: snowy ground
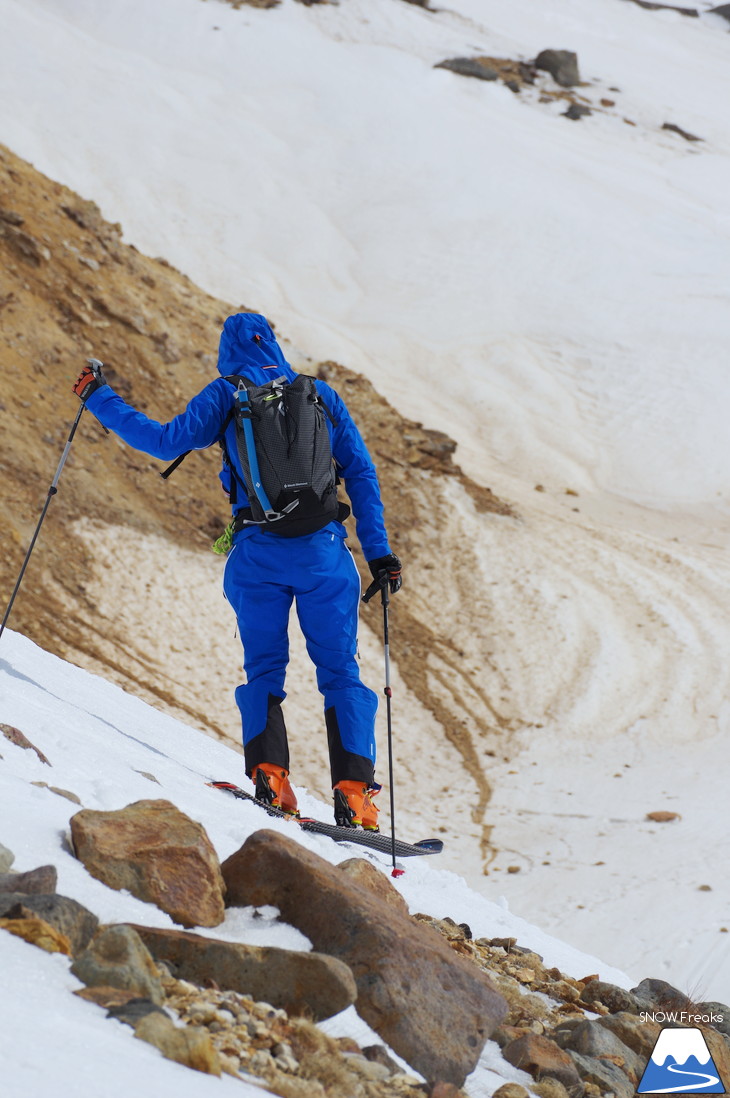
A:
x,y
98,740
554,294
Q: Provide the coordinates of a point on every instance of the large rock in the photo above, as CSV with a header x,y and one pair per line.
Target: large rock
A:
x,y
723,10
433,1007
561,64
156,852
542,1058
6,859
117,957
42,880
300,983
590,1039
67,916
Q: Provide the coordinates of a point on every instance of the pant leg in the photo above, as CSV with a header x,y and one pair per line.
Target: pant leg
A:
x,y
261,599
328,596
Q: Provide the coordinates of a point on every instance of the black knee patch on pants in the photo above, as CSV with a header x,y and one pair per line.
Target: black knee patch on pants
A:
x,y
271,745
344,765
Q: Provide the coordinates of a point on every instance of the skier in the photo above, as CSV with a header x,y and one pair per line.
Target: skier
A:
x,y
265,571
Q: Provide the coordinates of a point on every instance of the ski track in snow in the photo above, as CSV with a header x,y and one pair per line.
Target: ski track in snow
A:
x,y
552,294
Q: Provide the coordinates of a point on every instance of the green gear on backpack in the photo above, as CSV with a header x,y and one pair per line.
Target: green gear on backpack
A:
x,y
223,545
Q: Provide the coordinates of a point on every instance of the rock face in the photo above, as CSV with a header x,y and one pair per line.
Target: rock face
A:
x,y
156,852
65,915
561,64
402,968
117,957
723,10
300,983
41,880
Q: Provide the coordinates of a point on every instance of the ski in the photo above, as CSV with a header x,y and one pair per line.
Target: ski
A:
x,y
375,840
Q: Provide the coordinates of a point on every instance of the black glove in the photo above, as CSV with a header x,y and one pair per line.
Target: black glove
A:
x,y
89,380
392,566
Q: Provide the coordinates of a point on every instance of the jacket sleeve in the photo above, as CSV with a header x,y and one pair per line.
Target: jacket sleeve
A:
x,y
194,429
356,468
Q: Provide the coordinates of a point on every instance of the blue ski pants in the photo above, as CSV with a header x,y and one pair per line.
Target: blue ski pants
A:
x,y
264,575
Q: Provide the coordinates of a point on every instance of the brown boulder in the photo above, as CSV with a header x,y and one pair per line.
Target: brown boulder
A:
x,y
540,1057
300,983
434,1008
158,854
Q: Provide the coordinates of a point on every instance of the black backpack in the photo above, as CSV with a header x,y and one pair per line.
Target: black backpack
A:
x,y
283,446
284,450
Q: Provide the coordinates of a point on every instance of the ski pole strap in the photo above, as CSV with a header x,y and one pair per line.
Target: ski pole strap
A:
x,y
378,584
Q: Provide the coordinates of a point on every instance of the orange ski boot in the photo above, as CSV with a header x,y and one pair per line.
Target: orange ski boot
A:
x,y
273,788
354,805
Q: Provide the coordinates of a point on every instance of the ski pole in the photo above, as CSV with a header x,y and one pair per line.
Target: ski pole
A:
x,y
51,493
383,583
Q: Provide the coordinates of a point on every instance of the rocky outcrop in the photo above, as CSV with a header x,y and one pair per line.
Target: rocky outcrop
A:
x,y
401,969
117,957
65,915
300,983
156,852
6,859
721,9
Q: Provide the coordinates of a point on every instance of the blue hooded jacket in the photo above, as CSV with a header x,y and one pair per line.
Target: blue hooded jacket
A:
x,y
248,346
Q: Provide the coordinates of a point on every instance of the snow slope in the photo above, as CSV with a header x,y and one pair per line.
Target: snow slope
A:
x,y
98,741
552,293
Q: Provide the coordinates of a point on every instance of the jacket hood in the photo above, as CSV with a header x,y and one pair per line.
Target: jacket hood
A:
x,y
248,346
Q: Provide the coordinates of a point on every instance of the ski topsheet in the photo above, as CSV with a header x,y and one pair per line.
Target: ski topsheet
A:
x,y
375,840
